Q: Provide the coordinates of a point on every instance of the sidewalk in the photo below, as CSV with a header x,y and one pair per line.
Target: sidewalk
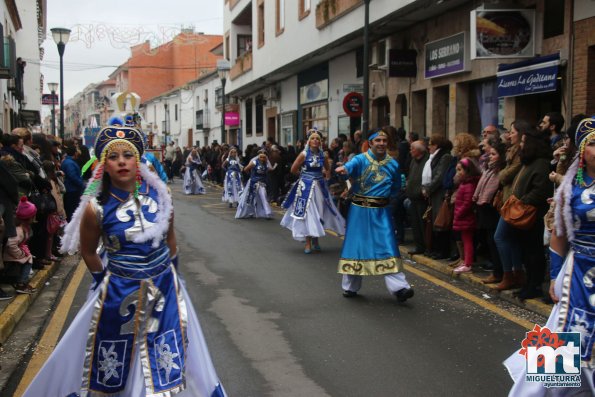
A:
x,y
474,278
11,311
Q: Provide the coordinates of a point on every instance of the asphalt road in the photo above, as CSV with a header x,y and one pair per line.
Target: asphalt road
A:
x,y
277,325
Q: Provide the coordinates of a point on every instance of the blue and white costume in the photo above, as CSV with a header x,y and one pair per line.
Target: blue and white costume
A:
x,y
192,180
232,186
310,208
370,247
254,201
574,277
137,334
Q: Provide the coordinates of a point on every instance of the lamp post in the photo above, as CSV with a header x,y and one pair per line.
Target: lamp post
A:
x,y
366,115
53,87
61,36
222,69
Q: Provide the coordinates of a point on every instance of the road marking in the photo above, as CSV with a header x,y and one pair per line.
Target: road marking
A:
x,y
486,305
50,336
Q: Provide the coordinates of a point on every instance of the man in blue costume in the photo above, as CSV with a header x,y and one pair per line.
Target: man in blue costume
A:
x,y
370,247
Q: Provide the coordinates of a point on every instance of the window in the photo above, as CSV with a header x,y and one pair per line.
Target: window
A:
x,y
227,46
218,97
259,116
287,128
248,106
553,18
315,115
280,16
381,53
304,8
244,44
176,112
261,24
199,119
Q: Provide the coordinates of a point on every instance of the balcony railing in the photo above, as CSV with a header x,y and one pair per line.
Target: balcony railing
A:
x,y
328,11
242,65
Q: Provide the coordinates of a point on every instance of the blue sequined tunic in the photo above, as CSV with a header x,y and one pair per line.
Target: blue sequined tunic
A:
x,y
370,247
577,301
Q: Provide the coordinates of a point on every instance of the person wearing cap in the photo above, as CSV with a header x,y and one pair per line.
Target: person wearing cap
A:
x,y
572,274
16,252
370,246
137,334
309,205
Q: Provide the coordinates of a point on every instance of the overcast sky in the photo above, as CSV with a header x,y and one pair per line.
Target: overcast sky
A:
x,y
103,31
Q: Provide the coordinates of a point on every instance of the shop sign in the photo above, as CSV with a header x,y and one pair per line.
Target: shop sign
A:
x,y
232,119
353,104
502,33
314,92
353,87
528,77
49,99
402,63
445,56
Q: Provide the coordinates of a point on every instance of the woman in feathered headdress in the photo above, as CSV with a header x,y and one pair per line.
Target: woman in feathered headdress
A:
x,y
232,186
254,202
572,268
137,334
310,208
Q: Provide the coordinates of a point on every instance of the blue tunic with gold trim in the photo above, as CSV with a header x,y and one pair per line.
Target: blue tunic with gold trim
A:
x,y
370,247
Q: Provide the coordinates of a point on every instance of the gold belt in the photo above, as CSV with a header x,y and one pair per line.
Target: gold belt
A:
x,y
365,201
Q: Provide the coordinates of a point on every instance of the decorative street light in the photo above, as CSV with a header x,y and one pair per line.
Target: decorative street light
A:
x,y
61,36
222,69
366,115
53,87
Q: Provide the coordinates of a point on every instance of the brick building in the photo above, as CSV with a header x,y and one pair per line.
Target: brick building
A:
x,y
152,71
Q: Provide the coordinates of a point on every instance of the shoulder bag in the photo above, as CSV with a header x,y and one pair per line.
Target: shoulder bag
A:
x,y
518,214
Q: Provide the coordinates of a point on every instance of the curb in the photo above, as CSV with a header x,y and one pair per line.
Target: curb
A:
x,y
534,305
12,314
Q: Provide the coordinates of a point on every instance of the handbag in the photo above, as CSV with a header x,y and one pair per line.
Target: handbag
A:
x,y
445,216
43,201
54,223
518,214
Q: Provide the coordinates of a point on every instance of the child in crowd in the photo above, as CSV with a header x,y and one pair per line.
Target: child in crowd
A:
x,y
464,215
16,252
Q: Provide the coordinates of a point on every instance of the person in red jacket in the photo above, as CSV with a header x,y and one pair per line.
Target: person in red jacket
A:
x,y
464,215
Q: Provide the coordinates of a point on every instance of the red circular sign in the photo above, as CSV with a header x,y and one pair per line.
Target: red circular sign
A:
x,y
353,104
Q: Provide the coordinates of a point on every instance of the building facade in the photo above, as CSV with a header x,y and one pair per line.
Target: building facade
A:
x,y
446,67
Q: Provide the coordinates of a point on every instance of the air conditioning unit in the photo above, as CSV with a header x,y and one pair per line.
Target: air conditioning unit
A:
x,y
271,93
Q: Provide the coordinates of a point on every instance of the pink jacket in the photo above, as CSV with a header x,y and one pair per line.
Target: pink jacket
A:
x,y
464,215
16,249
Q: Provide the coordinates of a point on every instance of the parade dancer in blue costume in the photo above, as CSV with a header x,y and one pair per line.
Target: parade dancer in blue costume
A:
x,y
572,269
192,180
370,247
310,208
232,186
254,202
137,334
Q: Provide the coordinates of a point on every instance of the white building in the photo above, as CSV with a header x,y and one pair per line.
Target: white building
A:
x,y
188,116
22,31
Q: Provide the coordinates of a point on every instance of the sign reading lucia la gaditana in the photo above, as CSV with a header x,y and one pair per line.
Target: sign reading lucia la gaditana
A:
x,y
445,56
532,76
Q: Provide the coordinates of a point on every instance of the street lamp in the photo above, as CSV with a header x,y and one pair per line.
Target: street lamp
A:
x,y
222,69
61,36
53,87
366,115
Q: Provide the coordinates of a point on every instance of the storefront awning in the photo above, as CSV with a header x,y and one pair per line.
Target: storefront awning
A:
x,y
535,75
